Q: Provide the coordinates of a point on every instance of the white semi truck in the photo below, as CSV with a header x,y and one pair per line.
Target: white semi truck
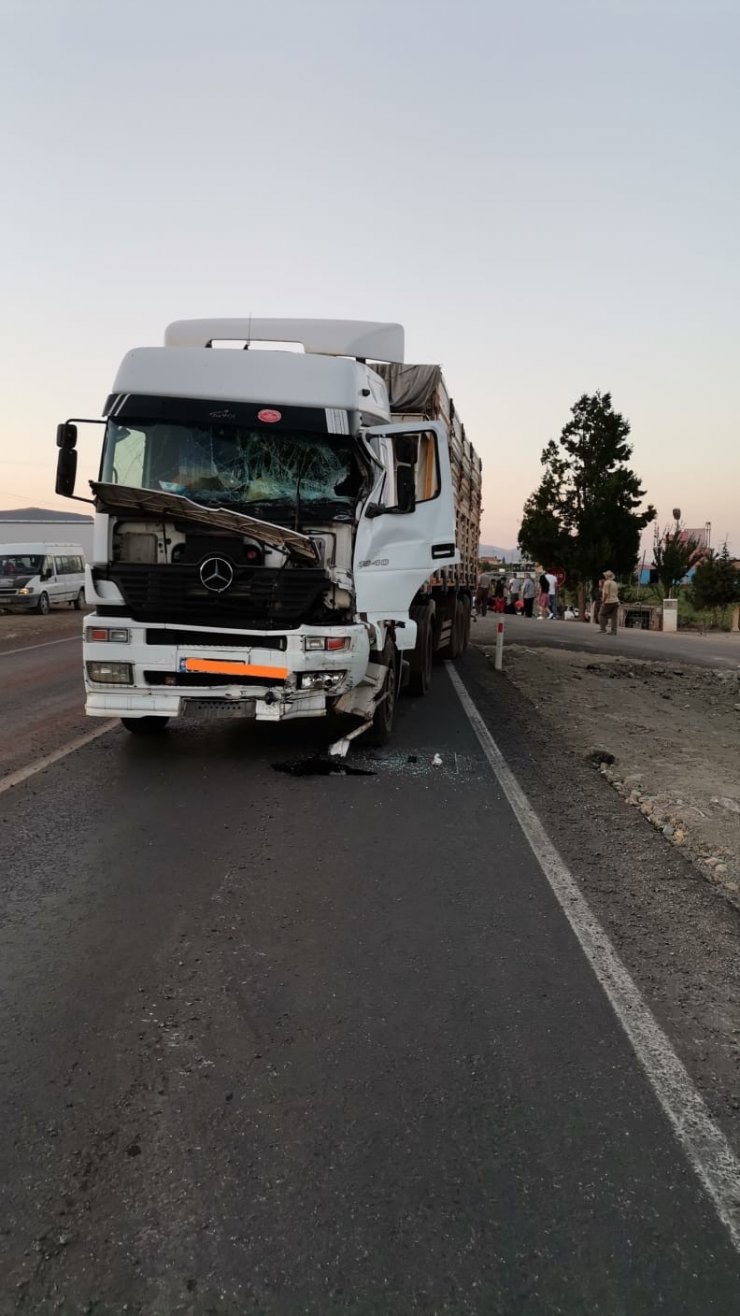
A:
x,y
278,533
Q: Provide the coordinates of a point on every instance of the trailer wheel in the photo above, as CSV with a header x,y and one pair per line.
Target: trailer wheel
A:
x,y
385,714
144,726
422,658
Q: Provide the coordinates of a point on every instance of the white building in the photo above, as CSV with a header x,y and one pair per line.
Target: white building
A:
x,y
60,530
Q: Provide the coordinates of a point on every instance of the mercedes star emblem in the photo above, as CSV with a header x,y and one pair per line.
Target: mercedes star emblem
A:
x,y
216,574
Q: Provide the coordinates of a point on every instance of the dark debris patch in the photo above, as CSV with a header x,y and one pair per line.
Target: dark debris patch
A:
x,y
321,765
599,755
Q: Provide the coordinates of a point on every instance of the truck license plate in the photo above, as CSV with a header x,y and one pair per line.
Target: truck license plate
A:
x,y
208,709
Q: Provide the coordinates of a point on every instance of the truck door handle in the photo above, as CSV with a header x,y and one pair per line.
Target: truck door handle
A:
x,y
443,550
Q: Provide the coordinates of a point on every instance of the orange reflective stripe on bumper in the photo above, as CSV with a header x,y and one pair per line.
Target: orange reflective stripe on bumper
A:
x,y
221,667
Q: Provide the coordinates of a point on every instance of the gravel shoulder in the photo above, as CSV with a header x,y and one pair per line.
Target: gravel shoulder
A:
x,y
666,736
19,629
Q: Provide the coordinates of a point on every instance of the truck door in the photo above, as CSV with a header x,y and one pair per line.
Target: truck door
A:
x,y
407,527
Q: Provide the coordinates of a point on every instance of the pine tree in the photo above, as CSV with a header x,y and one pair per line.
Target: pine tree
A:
x,y
716,582
583,516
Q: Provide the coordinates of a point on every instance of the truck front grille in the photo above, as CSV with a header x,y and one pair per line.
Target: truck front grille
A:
x,y
214,639
174,592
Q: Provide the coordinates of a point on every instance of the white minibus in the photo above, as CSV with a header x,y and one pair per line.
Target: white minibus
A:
x,y
33,577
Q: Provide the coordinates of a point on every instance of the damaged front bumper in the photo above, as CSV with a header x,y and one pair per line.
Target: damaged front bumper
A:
x,y
271,678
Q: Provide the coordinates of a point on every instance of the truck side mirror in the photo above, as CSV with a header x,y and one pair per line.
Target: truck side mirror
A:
x,y
66,470
67,436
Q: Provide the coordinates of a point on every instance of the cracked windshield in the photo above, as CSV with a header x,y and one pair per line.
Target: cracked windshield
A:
x,y
233,466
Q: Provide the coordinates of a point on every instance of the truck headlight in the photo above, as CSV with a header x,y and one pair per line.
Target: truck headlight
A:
x,y
25,590
111,673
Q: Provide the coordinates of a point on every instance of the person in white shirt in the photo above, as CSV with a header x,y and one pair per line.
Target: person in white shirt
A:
x,y
515,586
552,595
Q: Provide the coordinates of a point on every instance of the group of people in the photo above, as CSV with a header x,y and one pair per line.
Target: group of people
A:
x,y
518,595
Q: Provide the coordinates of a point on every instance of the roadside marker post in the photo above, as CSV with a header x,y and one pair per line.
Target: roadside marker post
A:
x,y
499,659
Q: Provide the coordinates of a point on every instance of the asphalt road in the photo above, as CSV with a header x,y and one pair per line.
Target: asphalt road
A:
x,y
317,1044
710,650
41,696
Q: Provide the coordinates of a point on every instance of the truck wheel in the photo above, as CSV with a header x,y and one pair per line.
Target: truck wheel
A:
x,y
454,648
422,658
385,714
144,726
80,600
43,605
448,650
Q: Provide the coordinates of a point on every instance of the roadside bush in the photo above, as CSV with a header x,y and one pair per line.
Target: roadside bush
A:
x,y
716,587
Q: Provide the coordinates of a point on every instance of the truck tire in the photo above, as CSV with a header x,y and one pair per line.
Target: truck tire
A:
x,y
422,659
43,604
454,646
144,726
445,651
385,714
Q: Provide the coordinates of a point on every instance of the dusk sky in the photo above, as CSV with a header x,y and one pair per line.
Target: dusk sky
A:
x,y
544,192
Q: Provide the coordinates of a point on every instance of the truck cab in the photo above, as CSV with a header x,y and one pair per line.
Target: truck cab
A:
x,y
262,526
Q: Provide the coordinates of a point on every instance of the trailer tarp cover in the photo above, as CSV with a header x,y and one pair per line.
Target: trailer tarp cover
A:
x,y
411,388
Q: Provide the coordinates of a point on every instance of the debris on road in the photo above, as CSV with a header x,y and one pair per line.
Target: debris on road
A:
x,y
317,765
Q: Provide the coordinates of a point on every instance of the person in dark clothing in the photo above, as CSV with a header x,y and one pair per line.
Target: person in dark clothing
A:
x,y
482,593
596,593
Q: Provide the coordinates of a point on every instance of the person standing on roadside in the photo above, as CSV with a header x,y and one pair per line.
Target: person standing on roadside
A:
x,y
528,592
482,593
542,600
609,604
552,594
596,593
515,586
499,595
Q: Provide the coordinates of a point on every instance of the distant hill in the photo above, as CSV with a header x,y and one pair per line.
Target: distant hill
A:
x,y
505,554
43,514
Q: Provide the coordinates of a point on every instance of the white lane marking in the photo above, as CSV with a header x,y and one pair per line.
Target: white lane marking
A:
x,y
7,653
703,1141
15,778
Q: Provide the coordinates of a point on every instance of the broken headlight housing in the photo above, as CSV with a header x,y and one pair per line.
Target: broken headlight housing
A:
x,y
320,680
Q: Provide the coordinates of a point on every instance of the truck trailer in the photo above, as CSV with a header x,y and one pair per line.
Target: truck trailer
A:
x,y
277,533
